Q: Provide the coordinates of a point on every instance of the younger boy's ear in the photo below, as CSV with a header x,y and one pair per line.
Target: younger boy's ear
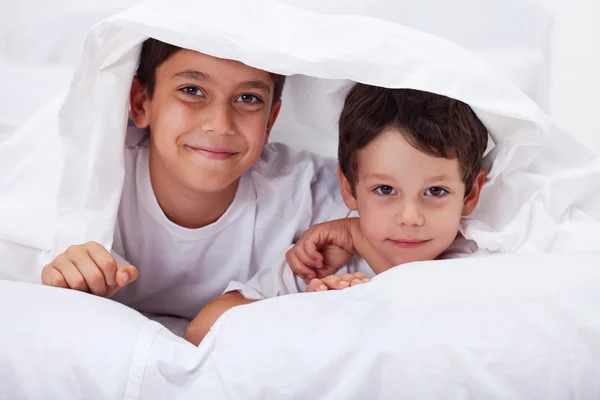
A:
x,y
272,118
472,199
346,190
138,103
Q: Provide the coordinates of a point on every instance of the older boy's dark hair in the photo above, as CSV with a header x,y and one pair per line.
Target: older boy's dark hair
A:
x,y
434,124
155,52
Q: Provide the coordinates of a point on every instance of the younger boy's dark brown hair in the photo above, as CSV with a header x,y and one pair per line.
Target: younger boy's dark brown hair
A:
x,y
155,52
434,124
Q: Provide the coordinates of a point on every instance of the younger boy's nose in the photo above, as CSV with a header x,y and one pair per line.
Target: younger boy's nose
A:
x,y
410,214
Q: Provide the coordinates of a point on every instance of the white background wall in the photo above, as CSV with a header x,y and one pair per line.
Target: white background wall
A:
x,y
575,97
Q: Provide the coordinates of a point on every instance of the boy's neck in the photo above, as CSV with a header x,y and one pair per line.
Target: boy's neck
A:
x,y
185,207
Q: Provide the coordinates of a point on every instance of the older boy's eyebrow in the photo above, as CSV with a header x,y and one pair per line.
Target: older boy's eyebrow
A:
x,y
256,85
191,74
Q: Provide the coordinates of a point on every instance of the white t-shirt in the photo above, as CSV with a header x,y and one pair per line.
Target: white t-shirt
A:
x,y
181,269
280,280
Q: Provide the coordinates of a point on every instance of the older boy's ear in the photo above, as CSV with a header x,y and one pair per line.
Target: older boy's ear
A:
x,y
138,103
346,190
272,118
470,202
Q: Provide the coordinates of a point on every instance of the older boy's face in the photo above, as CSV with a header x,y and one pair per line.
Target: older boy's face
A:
x,y
410,203
209,118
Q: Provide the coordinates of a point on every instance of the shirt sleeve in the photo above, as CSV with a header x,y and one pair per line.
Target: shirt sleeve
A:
x,y
281,281
269,282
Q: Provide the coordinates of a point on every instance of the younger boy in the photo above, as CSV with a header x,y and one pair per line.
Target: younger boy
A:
x,y
410,166
204,195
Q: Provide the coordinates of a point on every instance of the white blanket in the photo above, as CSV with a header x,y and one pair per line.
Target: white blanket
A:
x,y
67,164
506,327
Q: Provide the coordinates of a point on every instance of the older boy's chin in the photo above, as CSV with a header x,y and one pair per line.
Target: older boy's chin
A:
x,y
212,182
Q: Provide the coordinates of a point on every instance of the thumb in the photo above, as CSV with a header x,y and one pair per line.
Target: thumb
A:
x,y
126,275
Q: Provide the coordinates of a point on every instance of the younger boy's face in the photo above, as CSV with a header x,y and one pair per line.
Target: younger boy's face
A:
x,y
210,119
410,204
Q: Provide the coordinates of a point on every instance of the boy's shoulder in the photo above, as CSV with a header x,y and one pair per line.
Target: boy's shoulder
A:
x,y
279,160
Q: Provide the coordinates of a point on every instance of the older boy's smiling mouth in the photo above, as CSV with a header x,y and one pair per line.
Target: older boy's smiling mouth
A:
x,y
213,153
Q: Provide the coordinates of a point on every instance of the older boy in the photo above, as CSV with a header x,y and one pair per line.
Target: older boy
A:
x,y
204,194
410,166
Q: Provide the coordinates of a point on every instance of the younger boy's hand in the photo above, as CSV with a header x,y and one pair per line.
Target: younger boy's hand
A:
x,y
337,282
88,268
322,250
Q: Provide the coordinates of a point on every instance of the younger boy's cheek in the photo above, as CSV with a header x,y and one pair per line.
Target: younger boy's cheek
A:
x,y
374,232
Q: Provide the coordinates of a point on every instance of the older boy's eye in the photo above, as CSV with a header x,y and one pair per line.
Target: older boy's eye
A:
x,y
248,99
435,192
192,91
385,190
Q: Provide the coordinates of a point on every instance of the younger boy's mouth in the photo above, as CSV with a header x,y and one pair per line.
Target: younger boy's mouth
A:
x,y
409,243
213,153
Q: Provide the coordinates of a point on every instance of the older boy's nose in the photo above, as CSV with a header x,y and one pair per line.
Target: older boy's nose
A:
x,y
218,119
410,214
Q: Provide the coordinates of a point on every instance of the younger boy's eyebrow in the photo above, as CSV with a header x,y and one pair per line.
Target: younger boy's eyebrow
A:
x,y
382,177
191,74
441,177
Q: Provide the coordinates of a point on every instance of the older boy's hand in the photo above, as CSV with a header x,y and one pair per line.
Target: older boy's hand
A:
x,y
322,250
337,282
88,268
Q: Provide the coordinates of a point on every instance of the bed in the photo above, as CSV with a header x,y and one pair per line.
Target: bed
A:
x,y
520,324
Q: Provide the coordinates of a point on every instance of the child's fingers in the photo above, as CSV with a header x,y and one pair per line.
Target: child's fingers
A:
x,y
360,275
126,275
359,278
310,249
94,278
52,277
298,267
335,282
343,281
105,261
306,258
354,279
316,285
74,278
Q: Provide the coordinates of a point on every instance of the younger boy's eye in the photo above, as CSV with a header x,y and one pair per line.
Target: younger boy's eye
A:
x,y
435,192
385,190
248,99
192,91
